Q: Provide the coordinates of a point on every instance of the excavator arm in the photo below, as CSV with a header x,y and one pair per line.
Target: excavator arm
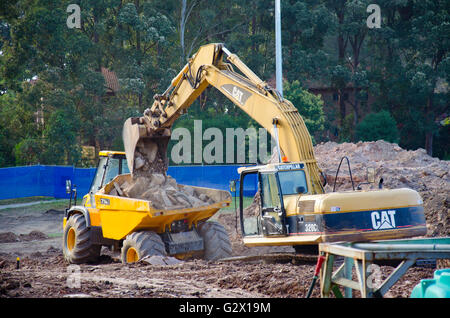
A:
x,y
213,65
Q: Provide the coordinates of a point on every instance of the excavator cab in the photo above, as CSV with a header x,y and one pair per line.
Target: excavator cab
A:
x,y
277,184
277,207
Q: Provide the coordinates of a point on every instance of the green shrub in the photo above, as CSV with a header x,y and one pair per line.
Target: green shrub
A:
x,y
376,126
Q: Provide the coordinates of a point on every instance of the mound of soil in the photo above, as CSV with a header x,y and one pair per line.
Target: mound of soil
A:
x,y
9,237
399,168
162,191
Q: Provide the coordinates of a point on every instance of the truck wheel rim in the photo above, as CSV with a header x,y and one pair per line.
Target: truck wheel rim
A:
x,y
132,255
71,237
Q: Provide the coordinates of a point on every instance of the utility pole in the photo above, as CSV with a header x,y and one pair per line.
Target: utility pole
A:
x,y
278,57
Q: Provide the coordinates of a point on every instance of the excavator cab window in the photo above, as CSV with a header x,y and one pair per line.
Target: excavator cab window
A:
x,y
249,204
293,182
261,213
272,209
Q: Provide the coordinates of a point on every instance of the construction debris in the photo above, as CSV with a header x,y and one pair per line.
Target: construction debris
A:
x,y
162,191
150,157
149,177
161,260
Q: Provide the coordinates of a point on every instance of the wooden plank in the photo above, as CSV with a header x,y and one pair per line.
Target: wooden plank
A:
x,y
344,251
325,278
342,281
399,271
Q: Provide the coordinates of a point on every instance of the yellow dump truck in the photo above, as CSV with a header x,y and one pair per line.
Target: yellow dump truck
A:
x,y
137,228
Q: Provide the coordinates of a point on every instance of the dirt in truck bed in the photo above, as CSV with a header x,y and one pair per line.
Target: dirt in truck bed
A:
x,y
162,191
150,180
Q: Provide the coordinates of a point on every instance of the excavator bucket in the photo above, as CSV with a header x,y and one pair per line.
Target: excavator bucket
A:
x,y
131,136
146,152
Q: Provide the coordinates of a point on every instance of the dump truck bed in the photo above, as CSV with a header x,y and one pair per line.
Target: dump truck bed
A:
x,y
121,215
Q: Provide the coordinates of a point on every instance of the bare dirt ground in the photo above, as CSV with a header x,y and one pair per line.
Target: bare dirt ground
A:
x,y
44,273
34,233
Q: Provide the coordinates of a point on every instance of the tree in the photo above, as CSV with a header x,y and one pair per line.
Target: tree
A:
x,y
378,126
60,138
410,70
309,106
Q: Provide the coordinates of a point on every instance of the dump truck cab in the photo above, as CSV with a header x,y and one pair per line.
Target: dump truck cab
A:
x,y
285,212
110,165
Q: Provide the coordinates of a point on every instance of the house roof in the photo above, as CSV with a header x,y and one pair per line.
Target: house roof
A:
x,y
111,80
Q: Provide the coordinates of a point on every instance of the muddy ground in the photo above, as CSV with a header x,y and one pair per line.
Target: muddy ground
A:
x,y
34,234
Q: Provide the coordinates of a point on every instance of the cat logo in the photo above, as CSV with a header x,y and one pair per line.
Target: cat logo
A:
x,y
382,220
239,94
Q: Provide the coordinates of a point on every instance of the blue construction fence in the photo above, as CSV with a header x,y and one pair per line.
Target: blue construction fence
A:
x,y
40,180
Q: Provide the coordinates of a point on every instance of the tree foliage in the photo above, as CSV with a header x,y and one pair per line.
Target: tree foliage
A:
x,y
378,126
309,106
54,99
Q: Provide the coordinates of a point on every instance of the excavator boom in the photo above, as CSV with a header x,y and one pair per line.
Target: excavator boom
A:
x,y
213,65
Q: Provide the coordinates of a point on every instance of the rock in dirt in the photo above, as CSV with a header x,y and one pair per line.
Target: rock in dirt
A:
x,y
77,296
8,237
161,260
163,192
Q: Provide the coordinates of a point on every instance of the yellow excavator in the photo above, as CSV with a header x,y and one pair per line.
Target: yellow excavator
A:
x,y
293,208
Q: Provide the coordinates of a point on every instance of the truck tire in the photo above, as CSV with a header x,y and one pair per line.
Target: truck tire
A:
x,y
137,245
216,241
77,246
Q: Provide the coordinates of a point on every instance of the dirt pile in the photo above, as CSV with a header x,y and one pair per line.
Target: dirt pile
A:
x,y
9,237
162,191
399,168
